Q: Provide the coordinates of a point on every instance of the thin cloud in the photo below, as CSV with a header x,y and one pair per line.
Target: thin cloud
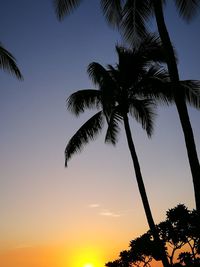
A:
x,y
109,214
104,212
94,205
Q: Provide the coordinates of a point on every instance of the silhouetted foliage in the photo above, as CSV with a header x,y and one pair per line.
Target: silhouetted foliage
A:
x,y
180,233
8,62
122,89
181,229
131,17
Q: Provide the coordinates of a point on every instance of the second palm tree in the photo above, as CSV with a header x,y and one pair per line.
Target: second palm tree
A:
x,y
121,93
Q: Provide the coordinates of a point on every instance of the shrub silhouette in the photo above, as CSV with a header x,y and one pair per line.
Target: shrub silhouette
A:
x,y
180,233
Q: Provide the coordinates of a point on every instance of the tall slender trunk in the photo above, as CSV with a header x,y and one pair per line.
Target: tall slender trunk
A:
x,y
143,194
179,101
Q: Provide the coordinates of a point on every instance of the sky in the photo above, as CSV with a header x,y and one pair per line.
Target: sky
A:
x,y
52,216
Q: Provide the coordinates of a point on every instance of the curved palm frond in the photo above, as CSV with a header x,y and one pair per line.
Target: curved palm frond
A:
x,y
191,90
87,132
151,48
65,7
112,10
107,85
156,84
143,111
98,74
187,8
82,99
135,14
113,126
8,62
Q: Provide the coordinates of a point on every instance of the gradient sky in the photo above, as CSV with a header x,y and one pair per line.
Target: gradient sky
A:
x,y
57,217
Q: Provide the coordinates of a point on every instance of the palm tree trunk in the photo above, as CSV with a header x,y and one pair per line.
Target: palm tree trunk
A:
x,y
180,101
143,194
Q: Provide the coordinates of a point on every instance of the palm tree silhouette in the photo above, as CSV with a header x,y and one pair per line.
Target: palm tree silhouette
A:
x,y
136,13
8,63
131,17
121,93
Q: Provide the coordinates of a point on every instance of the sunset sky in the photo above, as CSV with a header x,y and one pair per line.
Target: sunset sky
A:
x,y
86,214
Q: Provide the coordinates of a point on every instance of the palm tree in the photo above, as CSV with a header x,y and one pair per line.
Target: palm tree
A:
x,y
8,63
186,8
131,17
119,94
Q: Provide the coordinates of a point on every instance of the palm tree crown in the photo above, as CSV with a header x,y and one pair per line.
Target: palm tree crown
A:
x,y
121,90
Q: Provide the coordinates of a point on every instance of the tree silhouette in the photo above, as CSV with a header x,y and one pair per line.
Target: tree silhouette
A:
x,y
181,229
121,93
180,233
131,17
8,62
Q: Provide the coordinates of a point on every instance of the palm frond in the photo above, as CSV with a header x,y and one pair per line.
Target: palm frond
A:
x,y
143,111
107,85
8,63
135,14
187,8
155,84
125,56
98,74
131,65
83,99
65,7
151,48
191,91
133,62
87,132
113,127
112,10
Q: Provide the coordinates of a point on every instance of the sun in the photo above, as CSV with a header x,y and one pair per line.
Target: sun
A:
x,y
87,257
88,265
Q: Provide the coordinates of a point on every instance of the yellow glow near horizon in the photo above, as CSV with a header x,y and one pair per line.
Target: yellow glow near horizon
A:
x,y
88,257
88,265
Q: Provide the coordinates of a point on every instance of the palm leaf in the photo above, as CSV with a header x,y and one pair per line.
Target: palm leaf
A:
x,y
87,132
155,85
151,48
143,111
8,62
135,14
113,127
191,91
65,7
134,62
98,74
187,8
131,65
112,10
82,99
107,85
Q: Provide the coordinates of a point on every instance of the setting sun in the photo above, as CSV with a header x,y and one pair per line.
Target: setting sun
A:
x,y
87,257
88,265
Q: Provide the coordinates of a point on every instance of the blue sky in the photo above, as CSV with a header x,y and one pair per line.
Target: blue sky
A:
x,y
41,202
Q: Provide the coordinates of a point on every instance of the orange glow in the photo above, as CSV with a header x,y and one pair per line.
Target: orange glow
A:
x,y
87,257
